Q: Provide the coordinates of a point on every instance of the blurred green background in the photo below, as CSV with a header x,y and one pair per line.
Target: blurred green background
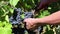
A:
x,y
7,8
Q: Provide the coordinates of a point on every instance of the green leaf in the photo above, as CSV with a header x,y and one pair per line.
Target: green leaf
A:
x,y
49,32
13,2
1,24
43,14
27,6
49,8
5,30
22,16
4,22
8,25
33,1
48,27
11,10
7,18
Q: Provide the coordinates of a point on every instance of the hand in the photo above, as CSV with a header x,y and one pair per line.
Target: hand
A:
x,y
31,23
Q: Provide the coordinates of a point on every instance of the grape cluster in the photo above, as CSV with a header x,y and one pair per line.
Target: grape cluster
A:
x,y
16,19
28,14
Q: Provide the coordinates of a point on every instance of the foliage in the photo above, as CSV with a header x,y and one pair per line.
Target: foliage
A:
x,y
7,8
5,26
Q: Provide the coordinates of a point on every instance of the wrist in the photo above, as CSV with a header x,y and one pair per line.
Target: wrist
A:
x,y
39,20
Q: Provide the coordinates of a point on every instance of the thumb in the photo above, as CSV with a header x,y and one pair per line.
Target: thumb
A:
x,y
24,20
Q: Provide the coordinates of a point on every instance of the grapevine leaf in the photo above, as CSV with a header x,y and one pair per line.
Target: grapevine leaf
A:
x,y
5,30
7,18
8,25
1,24
14,2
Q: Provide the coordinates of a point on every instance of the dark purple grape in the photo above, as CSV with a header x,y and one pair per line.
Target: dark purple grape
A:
x,y
11,19
28,14
14,22
16,18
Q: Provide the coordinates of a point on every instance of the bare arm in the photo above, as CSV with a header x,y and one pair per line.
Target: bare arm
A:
x,y
51,19
33,23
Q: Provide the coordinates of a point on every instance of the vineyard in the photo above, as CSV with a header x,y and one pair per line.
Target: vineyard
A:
x,y
13,13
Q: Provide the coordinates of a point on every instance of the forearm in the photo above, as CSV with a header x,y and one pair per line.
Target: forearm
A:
x,y
51,19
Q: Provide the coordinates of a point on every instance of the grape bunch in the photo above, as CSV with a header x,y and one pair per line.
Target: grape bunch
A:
x,y
16,19
28,15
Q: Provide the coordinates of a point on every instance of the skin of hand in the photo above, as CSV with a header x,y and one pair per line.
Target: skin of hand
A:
x,y
33,23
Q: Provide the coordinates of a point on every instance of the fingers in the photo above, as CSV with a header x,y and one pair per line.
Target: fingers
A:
x,y
32,28
30,24
25,21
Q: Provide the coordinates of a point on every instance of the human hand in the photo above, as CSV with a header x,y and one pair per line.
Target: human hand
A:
x,y
31,23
